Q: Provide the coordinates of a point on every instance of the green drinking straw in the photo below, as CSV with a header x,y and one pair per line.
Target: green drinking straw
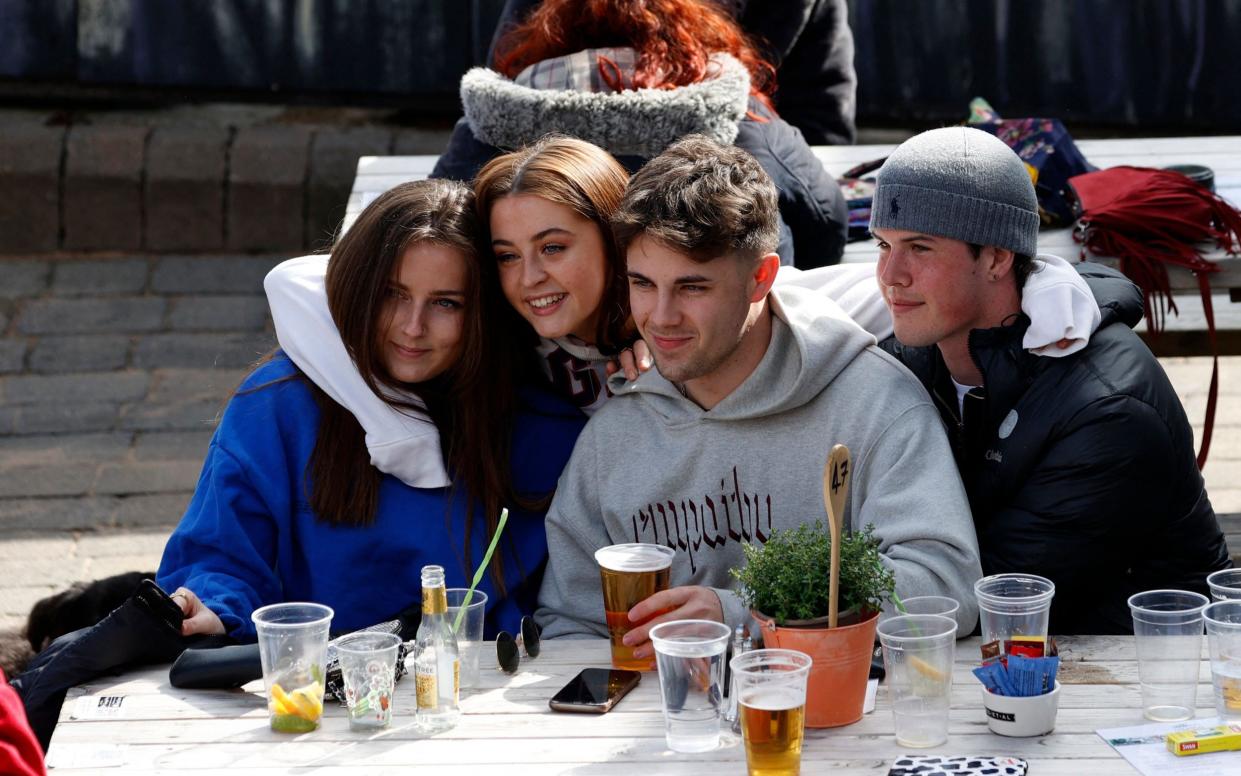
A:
x,y
482,569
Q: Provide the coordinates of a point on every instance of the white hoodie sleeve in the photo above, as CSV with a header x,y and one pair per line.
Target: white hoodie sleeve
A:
x,y
403,444
1060,305
852,286
1055,298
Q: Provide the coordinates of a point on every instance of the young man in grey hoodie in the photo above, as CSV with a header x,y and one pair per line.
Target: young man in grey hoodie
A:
x,y
725,440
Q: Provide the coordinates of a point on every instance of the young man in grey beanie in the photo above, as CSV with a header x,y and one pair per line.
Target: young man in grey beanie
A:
x,y
725,440
1080,469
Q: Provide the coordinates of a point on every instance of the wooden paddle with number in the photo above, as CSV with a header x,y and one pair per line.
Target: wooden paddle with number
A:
x,y
835,490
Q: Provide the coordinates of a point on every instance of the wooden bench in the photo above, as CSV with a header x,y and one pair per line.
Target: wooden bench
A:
x,y
1186,331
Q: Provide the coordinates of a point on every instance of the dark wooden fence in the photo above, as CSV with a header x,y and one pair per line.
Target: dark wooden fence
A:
x,y
1147,63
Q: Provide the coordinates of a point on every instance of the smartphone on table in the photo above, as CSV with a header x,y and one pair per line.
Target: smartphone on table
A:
x,y
595,690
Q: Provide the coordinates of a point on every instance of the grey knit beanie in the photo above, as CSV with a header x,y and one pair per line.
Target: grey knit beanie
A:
x,y
960,183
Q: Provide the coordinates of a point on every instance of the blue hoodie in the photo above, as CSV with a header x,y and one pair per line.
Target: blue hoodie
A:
x,y
249,537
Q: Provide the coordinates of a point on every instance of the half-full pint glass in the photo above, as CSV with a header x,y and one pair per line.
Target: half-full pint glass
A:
x,y
631,573
772,708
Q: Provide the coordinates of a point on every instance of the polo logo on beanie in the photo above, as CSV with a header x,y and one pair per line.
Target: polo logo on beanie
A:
x,y
895,208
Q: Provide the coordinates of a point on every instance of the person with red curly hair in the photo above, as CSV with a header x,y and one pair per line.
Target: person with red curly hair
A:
x,y
633,77
808,41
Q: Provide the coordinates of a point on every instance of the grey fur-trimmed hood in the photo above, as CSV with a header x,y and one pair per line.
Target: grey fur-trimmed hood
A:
x,y
640,122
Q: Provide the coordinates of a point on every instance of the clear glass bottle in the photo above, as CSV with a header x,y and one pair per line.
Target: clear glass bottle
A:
x,y
436,663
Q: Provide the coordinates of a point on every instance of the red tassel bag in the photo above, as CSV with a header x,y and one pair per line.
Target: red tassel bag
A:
x,y
1148,219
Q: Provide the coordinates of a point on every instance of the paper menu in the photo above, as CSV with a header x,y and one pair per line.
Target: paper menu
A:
x,y
1144,748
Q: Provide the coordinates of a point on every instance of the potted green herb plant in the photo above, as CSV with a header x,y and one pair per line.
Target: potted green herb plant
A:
x,y
785,584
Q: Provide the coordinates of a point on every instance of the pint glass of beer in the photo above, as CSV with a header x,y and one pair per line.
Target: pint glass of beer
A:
x,y
772,706
631,574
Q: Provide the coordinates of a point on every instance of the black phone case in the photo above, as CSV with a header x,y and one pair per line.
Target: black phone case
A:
x,y
155,601
589,708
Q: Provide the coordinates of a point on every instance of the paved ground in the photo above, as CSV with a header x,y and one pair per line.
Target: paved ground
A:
x,y
112,371
113,368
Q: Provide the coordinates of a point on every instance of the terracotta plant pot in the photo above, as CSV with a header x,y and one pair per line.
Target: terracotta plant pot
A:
x,y
836,689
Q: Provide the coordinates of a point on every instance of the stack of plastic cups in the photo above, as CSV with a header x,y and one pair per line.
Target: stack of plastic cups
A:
x,y
1167,628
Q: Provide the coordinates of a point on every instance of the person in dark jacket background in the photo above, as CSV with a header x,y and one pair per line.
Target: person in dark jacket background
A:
x,y
1080,469
633,83
809,42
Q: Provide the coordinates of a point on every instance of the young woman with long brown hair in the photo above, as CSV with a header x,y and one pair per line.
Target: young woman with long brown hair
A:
x,y
546,209
289,506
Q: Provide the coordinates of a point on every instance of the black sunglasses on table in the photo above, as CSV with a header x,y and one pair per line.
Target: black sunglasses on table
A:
x,y
508,648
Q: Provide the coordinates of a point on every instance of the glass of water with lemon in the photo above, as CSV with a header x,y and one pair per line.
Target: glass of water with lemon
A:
x,y
917,654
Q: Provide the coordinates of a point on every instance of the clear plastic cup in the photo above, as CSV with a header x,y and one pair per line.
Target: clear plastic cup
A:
x,y
1225,584
690,658
368,667
927,604
470,634
1223,619
917,656
630,574
1013,605
292,647
1167,628
772,708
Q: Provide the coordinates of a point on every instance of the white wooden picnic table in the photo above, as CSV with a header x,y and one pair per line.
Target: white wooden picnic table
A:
x,y
506,727
377,174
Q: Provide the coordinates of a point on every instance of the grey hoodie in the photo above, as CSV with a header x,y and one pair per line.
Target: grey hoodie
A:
x,y
652,466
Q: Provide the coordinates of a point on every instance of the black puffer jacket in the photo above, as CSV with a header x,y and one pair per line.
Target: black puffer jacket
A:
x,y
501,114
1080,469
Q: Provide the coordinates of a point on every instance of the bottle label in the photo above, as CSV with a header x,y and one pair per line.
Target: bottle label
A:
x,y
424,681
434,600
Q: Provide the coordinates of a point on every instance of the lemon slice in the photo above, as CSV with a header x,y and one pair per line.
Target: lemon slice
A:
x,y
926,669
280,701
307,701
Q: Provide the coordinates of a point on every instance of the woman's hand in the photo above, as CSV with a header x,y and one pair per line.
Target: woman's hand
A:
x,y
633,361
198,618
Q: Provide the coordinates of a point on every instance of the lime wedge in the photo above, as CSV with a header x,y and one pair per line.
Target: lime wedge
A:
x,y
291,723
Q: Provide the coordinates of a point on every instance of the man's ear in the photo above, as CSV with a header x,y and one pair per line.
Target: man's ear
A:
x,y
996,263
764,276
